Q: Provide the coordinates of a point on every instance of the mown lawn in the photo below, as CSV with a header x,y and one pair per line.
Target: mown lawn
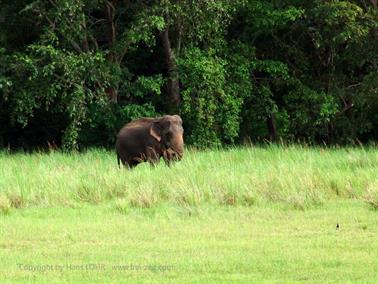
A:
x,y
242,215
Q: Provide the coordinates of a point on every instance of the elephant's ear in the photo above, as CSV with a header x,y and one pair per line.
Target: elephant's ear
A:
x,y
155,131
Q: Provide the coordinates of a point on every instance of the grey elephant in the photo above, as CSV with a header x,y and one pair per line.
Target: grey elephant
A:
x,y
149,139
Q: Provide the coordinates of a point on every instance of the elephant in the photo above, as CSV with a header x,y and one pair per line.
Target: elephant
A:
x,y
149,139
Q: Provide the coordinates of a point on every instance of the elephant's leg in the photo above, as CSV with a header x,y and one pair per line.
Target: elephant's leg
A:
x,y
168,163
153,161
124,162
129,163
167,160
152,156
169,157
132,164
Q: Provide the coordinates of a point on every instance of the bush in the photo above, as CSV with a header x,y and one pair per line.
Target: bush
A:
x,y
210,108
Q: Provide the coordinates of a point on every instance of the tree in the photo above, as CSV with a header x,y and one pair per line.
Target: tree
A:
x,y
74,71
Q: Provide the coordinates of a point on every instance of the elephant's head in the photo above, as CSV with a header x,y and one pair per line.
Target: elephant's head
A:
x,y
169,132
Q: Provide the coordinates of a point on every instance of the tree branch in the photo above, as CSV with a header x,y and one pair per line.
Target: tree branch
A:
x,y
346,108
110,13
85,30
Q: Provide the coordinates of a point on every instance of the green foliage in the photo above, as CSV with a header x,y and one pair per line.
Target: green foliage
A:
x,y
210,109
77,70
104,120
337,22
203,77
199,22
238,88
268,15
310,112
59,81
144,85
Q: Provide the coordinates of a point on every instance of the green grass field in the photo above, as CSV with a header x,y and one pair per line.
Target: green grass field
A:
x,y
240,215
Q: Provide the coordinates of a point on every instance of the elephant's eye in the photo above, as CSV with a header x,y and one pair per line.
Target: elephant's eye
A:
x,y
169,135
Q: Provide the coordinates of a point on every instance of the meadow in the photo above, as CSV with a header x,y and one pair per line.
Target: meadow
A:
x,y
251,214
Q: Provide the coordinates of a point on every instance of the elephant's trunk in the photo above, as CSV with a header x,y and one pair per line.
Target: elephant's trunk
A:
x,y
177,145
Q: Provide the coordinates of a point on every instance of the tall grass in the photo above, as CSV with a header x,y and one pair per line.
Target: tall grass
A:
x,y
295,176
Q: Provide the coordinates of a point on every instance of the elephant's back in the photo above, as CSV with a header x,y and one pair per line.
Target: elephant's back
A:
x,y
138,125
133,136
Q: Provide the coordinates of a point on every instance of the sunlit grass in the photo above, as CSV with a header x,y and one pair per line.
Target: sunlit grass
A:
x,y
242,215
201,244
296,176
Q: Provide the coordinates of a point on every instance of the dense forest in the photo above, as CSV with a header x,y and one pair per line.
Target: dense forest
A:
x,y
72,72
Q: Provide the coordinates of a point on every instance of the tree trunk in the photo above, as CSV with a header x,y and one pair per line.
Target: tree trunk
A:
x,y
349,108
330,132
271,123
111,36
375,5
173,86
